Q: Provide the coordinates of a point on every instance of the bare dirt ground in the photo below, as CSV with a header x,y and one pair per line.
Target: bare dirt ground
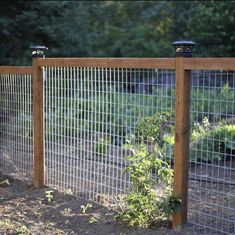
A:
x,y
25,210
211,193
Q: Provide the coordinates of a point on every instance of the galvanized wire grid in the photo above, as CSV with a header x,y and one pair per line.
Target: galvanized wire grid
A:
x,y
16,129
212,157
90,114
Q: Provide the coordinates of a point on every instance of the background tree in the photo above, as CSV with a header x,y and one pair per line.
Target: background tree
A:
x,y
114,28
212,26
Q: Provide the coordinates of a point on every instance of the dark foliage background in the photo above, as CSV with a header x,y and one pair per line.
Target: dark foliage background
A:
x,y
114,28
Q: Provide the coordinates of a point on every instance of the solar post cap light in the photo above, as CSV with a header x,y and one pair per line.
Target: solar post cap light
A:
x,y
183,48
38,51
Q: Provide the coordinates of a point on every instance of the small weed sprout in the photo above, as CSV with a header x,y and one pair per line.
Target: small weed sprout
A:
x,y
92,220
66,212
84,208
4,183
49,195
22,230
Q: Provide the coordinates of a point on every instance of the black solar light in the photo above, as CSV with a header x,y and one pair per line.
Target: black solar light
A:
x,y
38,51
183,48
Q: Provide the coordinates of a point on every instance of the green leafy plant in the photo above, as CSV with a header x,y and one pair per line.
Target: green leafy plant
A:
x,y
208,143
214,144
22,230
49,195
4,183
200,129
155,128
145,205
85,207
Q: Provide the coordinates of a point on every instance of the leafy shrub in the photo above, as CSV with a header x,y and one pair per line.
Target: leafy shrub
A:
x,y
155,128
145,205
214,144
200,129
208,143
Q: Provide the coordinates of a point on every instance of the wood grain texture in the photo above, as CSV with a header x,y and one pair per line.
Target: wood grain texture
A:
x,y
16,70
182,130
210,64
38,117
161,63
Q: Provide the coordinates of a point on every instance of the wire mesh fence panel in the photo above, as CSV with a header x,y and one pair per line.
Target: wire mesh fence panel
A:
x,y
90,114
212,156
16,128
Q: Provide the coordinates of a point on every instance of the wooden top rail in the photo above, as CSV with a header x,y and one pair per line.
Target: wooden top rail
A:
x,y
209,63
160,63
16,70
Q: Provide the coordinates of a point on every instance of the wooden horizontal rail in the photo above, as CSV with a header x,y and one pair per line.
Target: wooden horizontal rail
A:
x,y
209,64
160,63
16,70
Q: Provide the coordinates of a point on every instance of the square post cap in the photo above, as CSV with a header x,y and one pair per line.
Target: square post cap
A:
x,y
38,51
183,48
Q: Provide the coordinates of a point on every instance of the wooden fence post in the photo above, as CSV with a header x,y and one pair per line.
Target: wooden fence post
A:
x,y
182,130
38,118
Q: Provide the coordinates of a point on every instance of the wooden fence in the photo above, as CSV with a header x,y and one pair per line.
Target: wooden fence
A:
x,y
182,67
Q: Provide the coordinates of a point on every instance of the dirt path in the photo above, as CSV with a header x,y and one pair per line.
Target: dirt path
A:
x,y
25,210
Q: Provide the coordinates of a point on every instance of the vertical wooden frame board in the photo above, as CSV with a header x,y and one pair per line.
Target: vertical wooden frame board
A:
x,y
38,116
182,137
